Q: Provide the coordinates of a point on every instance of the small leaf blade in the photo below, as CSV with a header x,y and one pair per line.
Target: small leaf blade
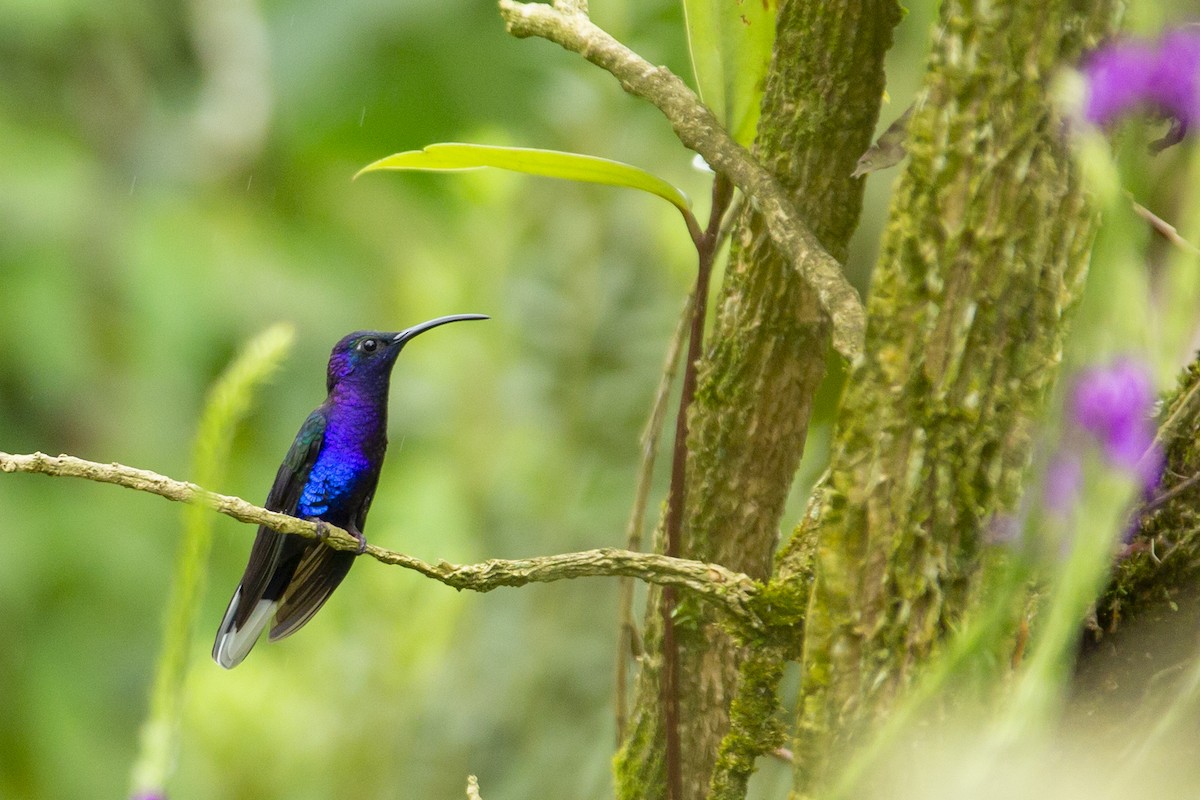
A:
x,y
730,42
458,157
700,20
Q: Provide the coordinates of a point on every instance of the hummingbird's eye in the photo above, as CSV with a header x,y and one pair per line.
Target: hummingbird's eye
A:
x,y
368,345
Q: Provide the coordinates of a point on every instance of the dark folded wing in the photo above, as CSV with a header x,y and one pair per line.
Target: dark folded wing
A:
x,y
271,549
319,573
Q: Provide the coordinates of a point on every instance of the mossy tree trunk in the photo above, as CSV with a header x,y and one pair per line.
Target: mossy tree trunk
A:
x,y
1164,556
766,359
983,258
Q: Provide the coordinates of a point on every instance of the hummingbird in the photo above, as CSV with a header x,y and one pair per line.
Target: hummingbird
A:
x,y
329,477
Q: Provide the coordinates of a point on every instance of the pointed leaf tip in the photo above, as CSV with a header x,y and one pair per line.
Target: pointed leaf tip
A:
x,y
459,157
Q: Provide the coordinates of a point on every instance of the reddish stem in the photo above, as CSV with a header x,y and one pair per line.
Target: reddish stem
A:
x,y
706,251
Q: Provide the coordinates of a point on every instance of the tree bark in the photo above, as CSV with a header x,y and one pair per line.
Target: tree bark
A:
x,y
758,379
982,260
1164,556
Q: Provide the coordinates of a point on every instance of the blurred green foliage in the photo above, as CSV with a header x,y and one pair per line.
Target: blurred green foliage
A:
x,y
175,176
225,408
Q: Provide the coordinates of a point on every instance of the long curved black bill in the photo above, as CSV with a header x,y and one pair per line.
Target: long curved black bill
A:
x,y
416,330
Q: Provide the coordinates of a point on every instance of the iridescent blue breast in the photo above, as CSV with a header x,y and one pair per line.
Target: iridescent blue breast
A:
x,y
331,484
343,470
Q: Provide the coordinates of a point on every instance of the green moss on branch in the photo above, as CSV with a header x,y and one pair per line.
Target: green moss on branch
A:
x,y
982,261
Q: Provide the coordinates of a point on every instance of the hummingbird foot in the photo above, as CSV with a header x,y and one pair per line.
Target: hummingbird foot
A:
x,y
323,534
322,528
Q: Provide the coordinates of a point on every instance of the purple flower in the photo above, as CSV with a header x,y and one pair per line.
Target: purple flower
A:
x,y
1178,75
1113,403
1123,77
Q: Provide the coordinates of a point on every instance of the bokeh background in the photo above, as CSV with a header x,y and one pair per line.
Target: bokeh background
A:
x,y
176,176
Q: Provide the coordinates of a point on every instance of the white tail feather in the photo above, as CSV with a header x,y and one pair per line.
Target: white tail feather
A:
x,y
233,644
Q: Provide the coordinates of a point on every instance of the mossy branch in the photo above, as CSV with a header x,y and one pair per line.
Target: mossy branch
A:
x,y
731,591
567,25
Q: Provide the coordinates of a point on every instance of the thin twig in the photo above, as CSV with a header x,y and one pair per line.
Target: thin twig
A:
x,y
1175,415
731,220
731,591
700,131
706,252
628,639
1163,228
1174,491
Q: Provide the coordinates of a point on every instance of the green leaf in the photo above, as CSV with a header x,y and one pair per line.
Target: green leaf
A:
x,y
730,42
453,157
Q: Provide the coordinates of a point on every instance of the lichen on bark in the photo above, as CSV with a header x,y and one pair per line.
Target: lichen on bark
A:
x,y
762,368
982,260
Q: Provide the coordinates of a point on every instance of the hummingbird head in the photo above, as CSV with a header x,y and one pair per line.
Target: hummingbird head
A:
x,y
366,357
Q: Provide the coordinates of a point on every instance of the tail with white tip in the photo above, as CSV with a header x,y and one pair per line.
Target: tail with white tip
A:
x,y
234,643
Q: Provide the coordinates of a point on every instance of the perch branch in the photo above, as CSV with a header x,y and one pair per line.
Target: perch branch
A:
x,y
569,27
729,590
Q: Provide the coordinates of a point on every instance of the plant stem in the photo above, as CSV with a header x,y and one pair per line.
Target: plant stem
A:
x,y
627,636
706,250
